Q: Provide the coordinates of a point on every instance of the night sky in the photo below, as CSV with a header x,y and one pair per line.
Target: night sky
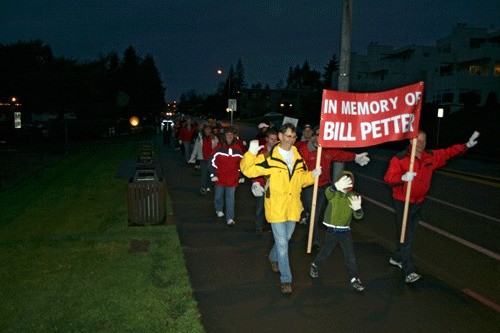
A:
x,y
190,39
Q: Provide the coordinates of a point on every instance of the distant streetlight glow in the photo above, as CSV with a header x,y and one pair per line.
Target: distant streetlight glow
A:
x,y
134,121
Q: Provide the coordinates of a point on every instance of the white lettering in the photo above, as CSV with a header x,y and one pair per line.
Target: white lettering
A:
x,y
387,126
346,107
393,102
374,107
328,131
330,106
363,108
338,131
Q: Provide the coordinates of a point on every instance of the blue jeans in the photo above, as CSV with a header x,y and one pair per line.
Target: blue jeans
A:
x,y
259,213
403,250
344,239
282,233
226,194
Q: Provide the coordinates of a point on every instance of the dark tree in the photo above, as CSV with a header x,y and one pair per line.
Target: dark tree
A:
x,y
333,66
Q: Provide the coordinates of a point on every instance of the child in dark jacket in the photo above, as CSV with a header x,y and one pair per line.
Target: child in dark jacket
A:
x,y
343,204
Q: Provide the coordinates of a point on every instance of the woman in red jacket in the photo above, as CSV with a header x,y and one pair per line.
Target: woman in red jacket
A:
x,y
225,173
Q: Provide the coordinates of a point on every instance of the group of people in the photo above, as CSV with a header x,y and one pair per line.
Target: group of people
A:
x,y
283,171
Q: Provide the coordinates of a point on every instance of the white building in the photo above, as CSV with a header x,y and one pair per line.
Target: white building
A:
x,y
462,68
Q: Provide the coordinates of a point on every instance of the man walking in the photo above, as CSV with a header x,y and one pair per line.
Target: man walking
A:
x,y
287,174
398,176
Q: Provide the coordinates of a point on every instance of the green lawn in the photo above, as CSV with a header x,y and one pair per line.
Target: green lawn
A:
x,y
69,262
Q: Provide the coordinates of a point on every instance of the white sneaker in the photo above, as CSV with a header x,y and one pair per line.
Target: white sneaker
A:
x,y
395,263
220,214
412,277
230,222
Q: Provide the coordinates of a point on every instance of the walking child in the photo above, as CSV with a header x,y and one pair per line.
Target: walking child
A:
x,y
343,205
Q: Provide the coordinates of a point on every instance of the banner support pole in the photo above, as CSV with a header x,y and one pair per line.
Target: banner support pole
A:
x,y
408,190
313,206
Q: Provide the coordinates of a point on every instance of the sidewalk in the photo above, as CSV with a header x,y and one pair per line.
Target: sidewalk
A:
x,y
236,290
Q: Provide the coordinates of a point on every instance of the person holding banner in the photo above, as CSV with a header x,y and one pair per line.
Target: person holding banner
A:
x,y
399,177
308,151
287,174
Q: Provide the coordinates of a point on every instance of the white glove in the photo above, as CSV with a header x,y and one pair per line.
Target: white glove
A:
x,y
408,177
254,147
355,202
214,179
343,183
257,189
316,172
180,142
362,159
241,180
472,141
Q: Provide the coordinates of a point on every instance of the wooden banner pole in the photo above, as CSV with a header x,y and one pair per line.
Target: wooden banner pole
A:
x,y
408,190
313,206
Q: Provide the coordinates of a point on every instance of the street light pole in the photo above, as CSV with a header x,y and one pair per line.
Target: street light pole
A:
x,y
228,109
345,64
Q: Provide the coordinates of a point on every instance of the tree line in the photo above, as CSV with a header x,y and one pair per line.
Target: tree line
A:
x,y
109,88
299,78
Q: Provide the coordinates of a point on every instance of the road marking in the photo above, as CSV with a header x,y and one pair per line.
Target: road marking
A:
x,y
494,219
473,246
457,239
482,299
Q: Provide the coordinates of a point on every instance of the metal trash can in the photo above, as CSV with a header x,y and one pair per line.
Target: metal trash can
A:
x,y
146,200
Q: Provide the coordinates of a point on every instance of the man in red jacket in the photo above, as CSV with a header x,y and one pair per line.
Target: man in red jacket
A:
x,y
398,176
308,151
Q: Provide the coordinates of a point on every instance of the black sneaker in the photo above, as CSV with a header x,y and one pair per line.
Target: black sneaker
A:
x,y
356,285
314,271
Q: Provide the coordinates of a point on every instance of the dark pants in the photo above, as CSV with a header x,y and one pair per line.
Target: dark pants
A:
x,y
205,174
166,137
403,250
307,196
344,239
260,217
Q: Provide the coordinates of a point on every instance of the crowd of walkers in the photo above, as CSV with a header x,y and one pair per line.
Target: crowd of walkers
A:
x,y
283,169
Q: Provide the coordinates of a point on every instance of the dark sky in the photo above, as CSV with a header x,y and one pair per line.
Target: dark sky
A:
x,y
190,39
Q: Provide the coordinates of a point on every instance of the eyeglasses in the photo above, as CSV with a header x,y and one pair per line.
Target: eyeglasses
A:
x,y
293,137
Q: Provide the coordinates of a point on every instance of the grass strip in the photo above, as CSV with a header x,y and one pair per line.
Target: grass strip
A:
x,y
69,262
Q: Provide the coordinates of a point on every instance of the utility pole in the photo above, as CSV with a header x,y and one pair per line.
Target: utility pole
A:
x,y
344,66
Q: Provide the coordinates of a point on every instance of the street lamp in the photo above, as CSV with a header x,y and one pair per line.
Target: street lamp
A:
x,y
230,108
440,115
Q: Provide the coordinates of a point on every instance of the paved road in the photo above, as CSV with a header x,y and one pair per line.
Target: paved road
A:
x,y
237,291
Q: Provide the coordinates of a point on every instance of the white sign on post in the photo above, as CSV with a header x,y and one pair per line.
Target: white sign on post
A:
x,y
231,104
17,119
290,120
